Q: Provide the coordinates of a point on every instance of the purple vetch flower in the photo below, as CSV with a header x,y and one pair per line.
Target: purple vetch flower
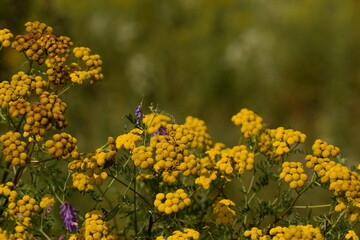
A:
x,y
138,114
161,131
68,215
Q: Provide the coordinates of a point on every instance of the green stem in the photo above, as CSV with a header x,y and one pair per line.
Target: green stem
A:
x,y
44,234
294,201
135,202
133,190
313,206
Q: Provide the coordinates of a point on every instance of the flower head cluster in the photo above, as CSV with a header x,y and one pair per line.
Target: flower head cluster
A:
x,y
186,234
169,154
128,140
14,149
253,233
352,235
68,215
95,227
190,166
224,214
82,182
277,142
172,202
237,159
202,139
93,64
299,232
5,37
205,179
43,115
47,202
143,157
40,44
19,107
62,145
93,165
21,211
250,122
13,90
180,133
7,191
293,173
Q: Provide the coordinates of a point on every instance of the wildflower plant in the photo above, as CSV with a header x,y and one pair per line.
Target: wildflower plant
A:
x,y
177,182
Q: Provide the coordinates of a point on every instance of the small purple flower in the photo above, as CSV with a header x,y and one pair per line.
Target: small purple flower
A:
x,y
138,114
161,131
68,215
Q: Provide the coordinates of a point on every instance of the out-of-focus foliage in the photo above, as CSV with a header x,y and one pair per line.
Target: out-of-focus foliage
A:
x,y
292,61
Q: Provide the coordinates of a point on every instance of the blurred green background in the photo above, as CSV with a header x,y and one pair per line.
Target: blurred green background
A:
x,y
296,63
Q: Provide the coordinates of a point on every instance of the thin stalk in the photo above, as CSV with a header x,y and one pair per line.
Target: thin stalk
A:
x,y
313,206
44,234
135,203
133,190
294,201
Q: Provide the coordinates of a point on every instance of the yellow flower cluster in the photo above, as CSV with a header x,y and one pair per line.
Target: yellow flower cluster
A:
x,y
5,36
154,120
59,74
277,142
293,173
180,133
250,122
295,232
22,208
187,234
324,150
47,201
43,116
81,181
62,146
11,91
14,149
351,235
237,159
173,203
5,235
143,176
40,42
128,140
344,182
169,154
19,108
202,139
207,173
93,164
190,166
35,84
143,157
94,228
93,63
56,108
224,214
254,233
205,179
6,190
21,212
20,234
